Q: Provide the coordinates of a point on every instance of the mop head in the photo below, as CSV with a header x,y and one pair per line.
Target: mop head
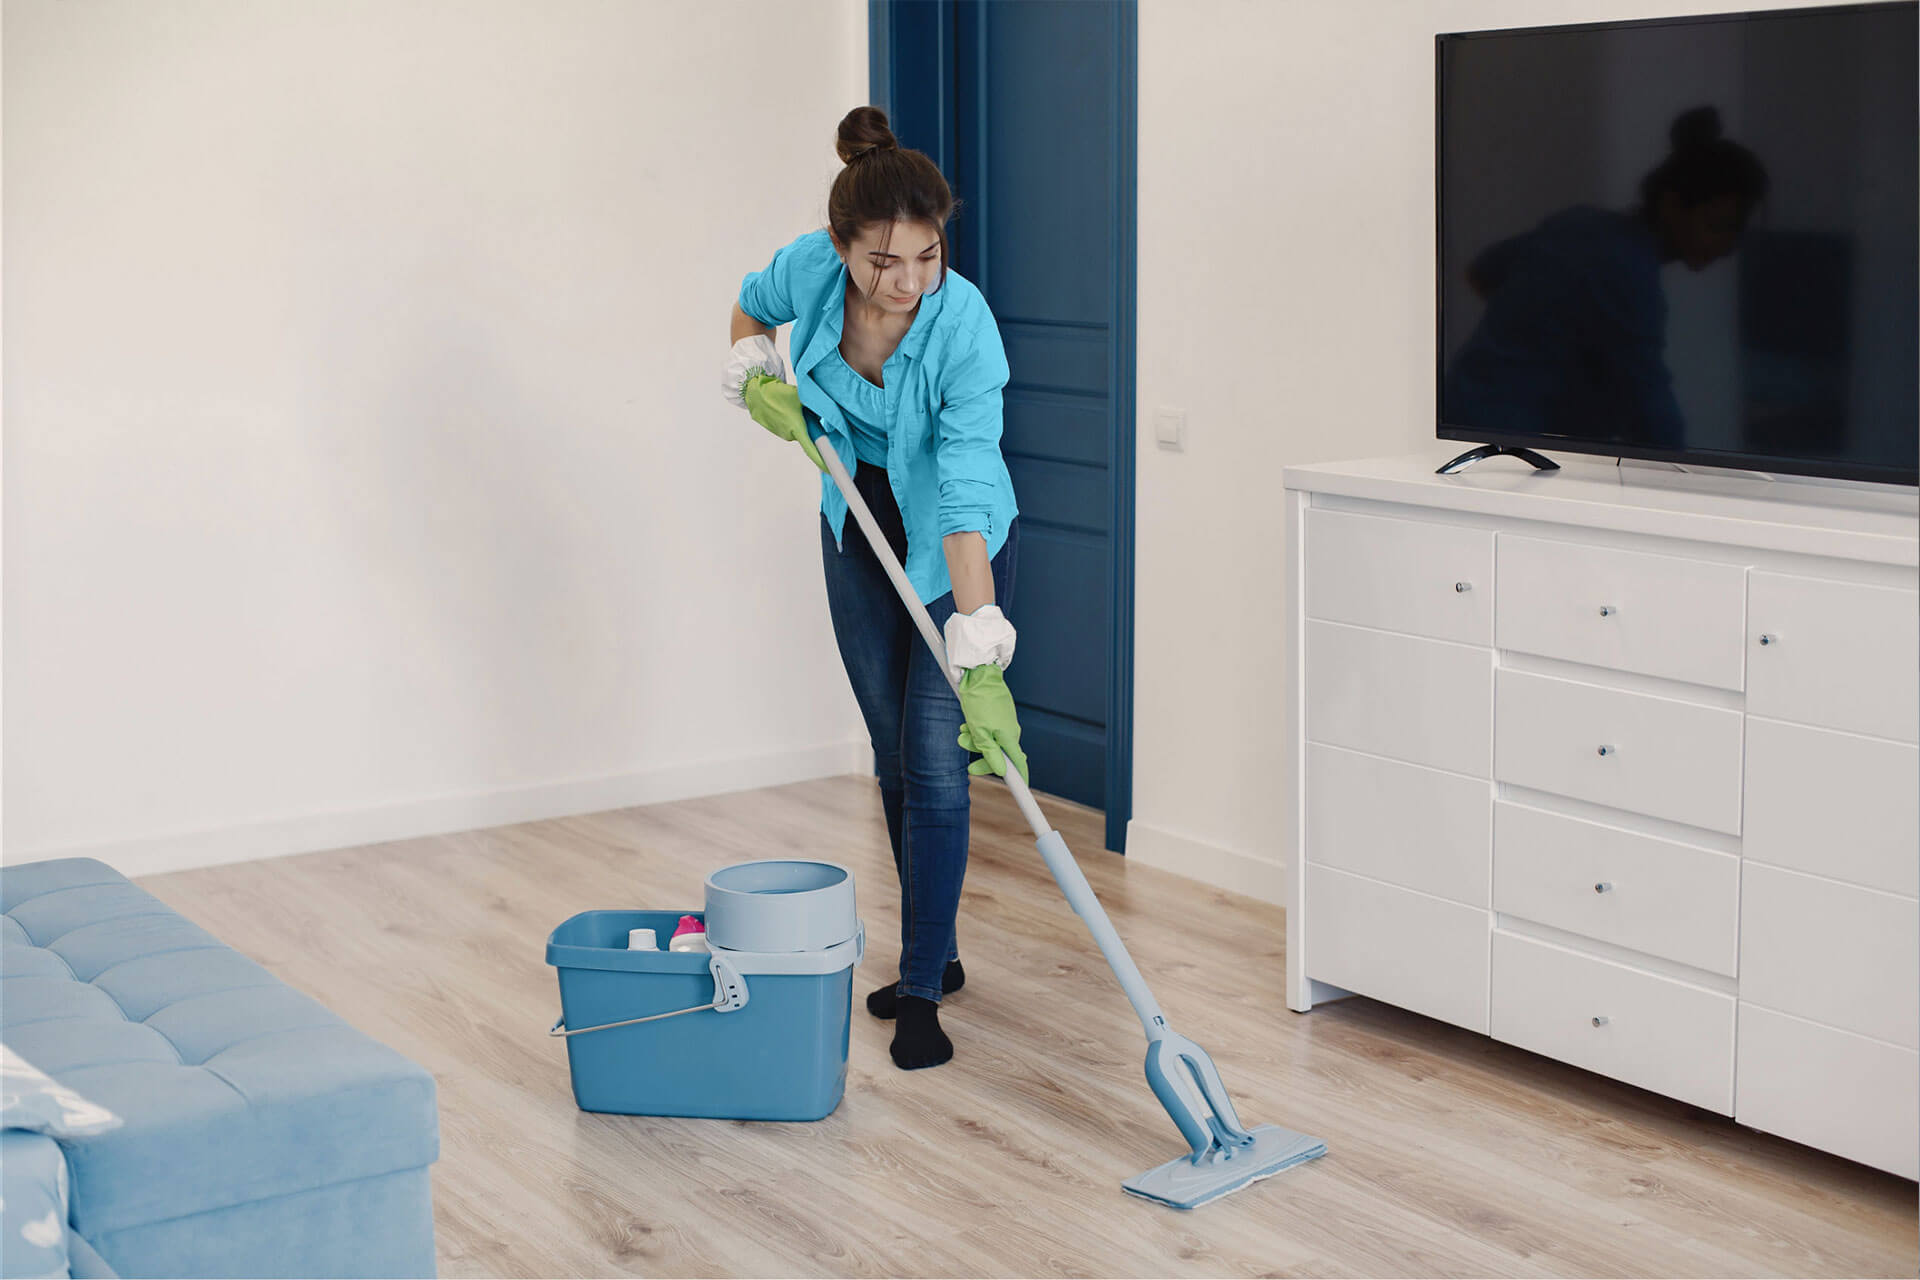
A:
x,y
1185,1184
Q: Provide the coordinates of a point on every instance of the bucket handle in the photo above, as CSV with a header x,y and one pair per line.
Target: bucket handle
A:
x,y
729,993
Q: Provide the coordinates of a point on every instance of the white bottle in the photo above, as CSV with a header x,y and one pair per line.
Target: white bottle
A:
x,y
642,940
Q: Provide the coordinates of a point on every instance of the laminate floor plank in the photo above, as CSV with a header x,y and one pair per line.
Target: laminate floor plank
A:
x,y
1450,1154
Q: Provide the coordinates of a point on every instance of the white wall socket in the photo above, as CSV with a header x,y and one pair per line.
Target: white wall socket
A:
x,y
1170,429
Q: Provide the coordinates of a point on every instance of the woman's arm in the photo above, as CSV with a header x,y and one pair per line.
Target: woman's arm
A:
x,y
967,565
967,451
745,326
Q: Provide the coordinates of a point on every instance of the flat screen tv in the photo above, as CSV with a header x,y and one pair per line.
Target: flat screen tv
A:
x,y
1690,240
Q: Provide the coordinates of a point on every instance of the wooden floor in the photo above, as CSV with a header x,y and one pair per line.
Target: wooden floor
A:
x,y
1449,1154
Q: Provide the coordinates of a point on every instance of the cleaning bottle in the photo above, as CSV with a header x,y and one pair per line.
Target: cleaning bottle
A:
x,y
690,935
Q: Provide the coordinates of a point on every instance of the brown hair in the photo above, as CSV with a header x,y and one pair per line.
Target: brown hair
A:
x,y
884,182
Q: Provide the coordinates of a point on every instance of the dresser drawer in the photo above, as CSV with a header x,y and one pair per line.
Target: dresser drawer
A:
x,y
1395,945
1409,826
1843,1093
1628,610
1661,897
1657,756
1834,804
1835,953
1400,575
1422,701
1838,655
1623,1022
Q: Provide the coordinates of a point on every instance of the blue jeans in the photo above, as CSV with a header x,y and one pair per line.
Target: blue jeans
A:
x,y
914,721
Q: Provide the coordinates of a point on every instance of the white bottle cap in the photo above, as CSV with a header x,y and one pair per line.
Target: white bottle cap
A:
x,y
642,940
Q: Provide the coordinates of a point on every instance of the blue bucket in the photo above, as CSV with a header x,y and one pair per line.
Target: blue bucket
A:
x,y
735,1035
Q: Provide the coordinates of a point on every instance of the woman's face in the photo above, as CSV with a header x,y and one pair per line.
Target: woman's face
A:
x,y
1701,234
893,278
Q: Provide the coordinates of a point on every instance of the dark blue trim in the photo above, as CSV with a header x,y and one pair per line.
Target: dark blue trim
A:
x,y
1124,203
970,171
880,54
910,73
910,67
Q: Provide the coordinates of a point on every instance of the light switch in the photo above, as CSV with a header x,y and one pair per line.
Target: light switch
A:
x,y
1170,429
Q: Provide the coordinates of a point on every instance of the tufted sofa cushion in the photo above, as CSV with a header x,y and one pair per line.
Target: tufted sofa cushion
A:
x,y
234,1087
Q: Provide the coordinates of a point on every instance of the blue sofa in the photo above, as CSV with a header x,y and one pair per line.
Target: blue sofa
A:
x,y
261,1135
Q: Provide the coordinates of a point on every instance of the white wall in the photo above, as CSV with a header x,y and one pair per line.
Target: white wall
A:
x,y
365,470
1286,302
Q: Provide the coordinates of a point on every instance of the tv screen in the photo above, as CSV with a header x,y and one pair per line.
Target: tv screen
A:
x,y
1691,240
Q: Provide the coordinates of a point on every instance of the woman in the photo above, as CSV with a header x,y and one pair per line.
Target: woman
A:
x,y
898,361
1574,335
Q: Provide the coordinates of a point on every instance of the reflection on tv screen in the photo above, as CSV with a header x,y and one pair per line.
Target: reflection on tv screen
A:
x,y
1690,239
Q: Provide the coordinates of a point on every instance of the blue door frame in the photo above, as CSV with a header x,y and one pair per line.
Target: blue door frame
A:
x,y
912,60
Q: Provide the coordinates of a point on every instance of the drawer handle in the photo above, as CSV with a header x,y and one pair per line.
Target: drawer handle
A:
x,y
1605,886
1602,1020
1463,586
1607,749
1607,611
1767,638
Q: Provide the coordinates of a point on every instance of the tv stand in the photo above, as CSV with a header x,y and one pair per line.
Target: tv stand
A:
x,y
1540,461
1620,774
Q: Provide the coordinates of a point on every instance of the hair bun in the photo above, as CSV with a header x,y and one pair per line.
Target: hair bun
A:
x,y
864,131
1694,128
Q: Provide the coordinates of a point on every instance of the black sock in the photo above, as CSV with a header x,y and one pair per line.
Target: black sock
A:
x,y
918,1040
882,1002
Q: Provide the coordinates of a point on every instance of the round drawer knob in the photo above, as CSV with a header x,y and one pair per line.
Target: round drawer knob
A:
x,y
1463,586
1602,1020
1605,886
1766,638
1607,750
1606,611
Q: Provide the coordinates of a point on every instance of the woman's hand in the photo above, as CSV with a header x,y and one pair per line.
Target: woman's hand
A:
x,y
993,727
751,355
775,405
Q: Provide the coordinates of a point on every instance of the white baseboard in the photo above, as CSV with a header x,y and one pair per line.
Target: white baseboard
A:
x,y
441,815
1211,864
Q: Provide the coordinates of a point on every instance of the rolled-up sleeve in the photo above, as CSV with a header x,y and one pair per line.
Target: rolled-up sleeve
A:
x,y
967,435
768,294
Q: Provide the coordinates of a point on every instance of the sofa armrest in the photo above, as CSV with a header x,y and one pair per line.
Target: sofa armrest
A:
x,y
33,1205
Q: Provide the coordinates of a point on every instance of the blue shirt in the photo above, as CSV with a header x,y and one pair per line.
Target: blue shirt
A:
x,y
867,408
943,397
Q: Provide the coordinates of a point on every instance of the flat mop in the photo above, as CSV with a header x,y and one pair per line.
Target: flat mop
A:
x,y
1225,1155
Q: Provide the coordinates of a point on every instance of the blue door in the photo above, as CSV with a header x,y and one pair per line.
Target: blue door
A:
x,y
1028,108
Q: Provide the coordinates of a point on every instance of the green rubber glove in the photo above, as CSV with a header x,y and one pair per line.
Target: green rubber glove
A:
x,y
992,730
775,405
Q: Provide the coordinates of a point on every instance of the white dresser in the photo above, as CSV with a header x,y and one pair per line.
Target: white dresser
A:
x,y
1618,764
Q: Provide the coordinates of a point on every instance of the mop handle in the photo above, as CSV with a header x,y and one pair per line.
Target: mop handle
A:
x,y
1053,846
